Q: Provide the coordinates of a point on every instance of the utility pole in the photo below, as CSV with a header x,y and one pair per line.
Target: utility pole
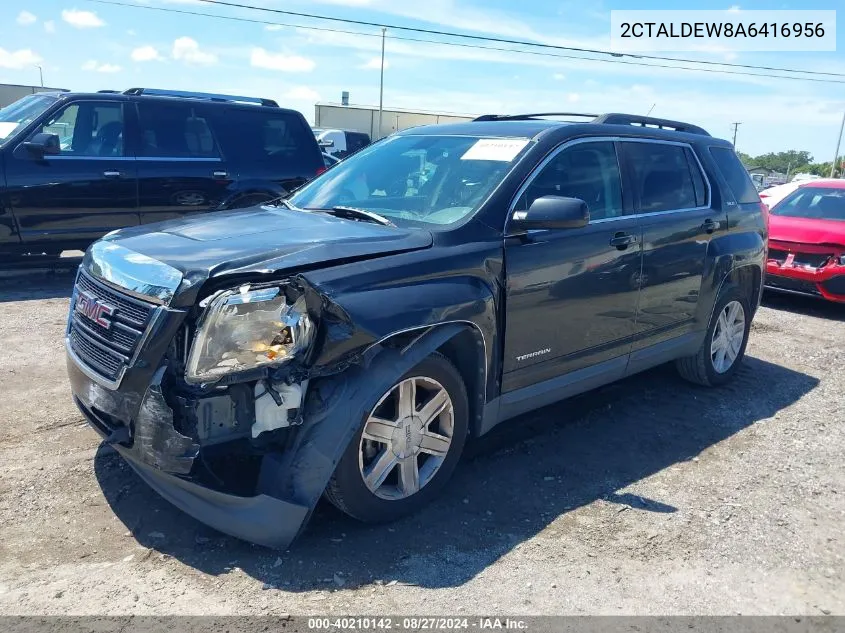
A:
x,y
381,84
40,74
838,143
736,125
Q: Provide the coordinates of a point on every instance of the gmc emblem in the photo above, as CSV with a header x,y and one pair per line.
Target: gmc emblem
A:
x,y
92,309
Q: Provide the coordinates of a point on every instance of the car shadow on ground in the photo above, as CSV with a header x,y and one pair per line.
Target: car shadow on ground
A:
x,y
513,483
805,306
32,284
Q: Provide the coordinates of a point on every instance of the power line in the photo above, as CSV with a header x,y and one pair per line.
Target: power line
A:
x,y
500,40
469,46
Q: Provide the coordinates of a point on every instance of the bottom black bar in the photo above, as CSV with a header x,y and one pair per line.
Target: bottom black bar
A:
x,y
386,623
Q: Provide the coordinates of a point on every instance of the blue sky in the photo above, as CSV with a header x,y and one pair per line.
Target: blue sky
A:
x,y
84,45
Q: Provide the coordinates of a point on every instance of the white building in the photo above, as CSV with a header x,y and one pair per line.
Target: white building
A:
x,y
365,118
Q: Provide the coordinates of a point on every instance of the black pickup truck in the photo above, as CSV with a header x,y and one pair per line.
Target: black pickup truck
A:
x,y
349,339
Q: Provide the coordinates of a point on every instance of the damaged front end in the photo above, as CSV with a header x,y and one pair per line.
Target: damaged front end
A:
x,y
224,408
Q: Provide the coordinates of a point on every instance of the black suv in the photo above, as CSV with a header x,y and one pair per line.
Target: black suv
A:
x,y
348,341
77,166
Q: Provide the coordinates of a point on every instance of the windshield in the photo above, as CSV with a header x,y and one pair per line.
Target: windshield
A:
x,y
421,181
22,112
817,203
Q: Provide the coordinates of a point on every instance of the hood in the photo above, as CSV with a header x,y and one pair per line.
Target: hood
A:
x,y
259,239
806,231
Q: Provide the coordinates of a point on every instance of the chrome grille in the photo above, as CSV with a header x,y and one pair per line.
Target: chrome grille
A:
x,y
107,349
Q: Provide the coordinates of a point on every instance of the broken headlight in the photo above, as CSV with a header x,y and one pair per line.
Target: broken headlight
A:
x,y
246,329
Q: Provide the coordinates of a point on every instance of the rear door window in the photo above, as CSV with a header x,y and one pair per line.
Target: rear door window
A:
x,y
662,177
735,175
277,139
174,130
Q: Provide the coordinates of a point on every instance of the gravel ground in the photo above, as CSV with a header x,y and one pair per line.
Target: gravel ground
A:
x,y
647,497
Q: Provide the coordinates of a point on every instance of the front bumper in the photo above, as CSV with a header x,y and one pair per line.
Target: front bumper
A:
x,y
163,458
827,282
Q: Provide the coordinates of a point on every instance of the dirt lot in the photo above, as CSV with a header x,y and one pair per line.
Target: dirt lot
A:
x,y
648,497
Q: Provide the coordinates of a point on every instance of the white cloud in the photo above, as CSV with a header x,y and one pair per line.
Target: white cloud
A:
x,y
25,18
273,27
573,97
131,33
95,66
559,76
303,93
734,9
261,58
145,54
374,63
82,19
18,59
188,50
50,26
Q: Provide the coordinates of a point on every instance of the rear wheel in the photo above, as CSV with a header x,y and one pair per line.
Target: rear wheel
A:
x,y
408,446
723,348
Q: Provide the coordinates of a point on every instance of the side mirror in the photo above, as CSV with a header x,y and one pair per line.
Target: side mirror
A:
x,y
552,212
326,143
43,144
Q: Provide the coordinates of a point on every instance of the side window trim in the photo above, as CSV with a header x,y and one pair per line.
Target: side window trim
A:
x,y
553,153
708,189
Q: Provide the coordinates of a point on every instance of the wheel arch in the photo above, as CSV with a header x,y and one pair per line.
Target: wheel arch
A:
x,y
466,349
334,410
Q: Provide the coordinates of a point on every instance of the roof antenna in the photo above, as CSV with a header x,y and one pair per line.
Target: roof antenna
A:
x,y
650,109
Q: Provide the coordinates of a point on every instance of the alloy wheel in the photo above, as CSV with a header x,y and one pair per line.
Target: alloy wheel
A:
x,y
728,336
406,438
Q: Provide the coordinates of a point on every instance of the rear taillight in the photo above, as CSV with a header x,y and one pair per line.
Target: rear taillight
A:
x,y
320,170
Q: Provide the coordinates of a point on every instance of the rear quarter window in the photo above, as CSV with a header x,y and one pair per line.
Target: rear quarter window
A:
x,y
735,175
269,137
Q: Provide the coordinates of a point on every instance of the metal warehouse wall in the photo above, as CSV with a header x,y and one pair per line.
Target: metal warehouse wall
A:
x,y
365,119
9,93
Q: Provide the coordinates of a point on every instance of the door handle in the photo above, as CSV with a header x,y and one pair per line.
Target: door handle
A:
x,y
710,225
220,174
623,240
112,174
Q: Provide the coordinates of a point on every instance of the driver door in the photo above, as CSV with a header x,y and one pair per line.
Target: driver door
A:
x,y
87,190
571,294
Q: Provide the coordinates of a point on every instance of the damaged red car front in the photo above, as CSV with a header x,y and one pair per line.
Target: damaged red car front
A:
x,y
807,241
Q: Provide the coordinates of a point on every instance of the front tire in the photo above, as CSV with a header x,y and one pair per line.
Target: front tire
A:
x,y
408,447
724,345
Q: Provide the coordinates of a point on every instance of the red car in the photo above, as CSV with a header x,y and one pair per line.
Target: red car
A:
x,y
807,241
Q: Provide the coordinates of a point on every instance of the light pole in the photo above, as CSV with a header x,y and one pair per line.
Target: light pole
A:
x,y
838,143
40,74
381,84
736,125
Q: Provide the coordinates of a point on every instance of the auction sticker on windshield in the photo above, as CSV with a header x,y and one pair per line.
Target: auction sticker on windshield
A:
x,y
503,149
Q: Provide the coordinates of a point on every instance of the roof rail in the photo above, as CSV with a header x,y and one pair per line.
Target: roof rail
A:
x,y
615,118
528,117
208,96
109,91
